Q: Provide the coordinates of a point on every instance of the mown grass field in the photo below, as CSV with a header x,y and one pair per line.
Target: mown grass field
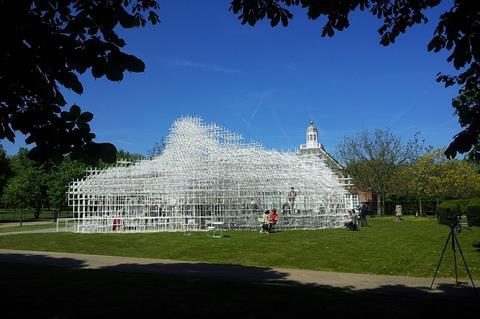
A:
x,y
411,247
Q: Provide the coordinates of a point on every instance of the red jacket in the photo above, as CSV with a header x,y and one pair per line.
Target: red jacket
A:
x,y
274,218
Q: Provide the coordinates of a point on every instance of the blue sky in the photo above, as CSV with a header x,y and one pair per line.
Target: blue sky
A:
x,y
267,83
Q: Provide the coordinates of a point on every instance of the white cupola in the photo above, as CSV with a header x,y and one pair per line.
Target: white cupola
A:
x,y
312,136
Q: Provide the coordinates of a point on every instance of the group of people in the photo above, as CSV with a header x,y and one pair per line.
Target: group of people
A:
x,y
358,217
269,219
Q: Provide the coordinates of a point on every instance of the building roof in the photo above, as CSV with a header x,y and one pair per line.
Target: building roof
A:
x,y
329,159
318,149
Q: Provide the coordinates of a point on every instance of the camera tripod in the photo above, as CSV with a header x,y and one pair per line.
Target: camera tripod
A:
x,y
455,244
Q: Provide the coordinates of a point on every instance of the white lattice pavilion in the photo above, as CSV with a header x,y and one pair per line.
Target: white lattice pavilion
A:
x,y
207,174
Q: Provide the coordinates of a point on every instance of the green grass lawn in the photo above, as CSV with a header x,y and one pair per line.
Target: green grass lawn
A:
x,y
411,247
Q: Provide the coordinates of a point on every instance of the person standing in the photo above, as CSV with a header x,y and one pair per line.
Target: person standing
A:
x,y
398,213
363,215
291,198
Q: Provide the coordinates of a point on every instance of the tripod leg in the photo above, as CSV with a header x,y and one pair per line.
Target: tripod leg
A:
x,y
465,263
440,261
454,257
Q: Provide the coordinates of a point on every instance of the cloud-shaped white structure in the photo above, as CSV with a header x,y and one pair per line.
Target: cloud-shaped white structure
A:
x,y
208,174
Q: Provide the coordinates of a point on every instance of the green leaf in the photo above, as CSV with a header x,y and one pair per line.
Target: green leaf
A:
x,y
85,117
134,64
70,81
99,67
115,75
75,111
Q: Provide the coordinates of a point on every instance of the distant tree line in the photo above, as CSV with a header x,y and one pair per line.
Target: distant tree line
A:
x,y
25,183
381,163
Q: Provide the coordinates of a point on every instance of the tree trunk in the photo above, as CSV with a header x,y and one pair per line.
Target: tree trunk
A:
x,y
37,213
420,211
383,203
379,204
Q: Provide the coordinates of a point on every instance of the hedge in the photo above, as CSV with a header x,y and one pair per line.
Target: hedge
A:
x,y
469,207
473,214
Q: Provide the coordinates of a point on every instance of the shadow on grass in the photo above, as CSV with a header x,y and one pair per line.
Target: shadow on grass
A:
x,y
39,259
208,271
64,288
476,246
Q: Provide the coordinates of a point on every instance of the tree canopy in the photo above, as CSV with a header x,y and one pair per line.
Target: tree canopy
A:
x,y
5,169
47,44
458,32
27,187
373,159
433,176
30,184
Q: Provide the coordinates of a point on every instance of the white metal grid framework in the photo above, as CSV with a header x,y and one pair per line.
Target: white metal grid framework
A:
x,y
207,174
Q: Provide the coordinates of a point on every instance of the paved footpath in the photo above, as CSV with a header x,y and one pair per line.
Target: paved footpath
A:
x,y
13,224
374,283
32,231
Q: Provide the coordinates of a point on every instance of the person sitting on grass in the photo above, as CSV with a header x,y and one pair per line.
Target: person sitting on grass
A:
x,y
352,224
265,220
273,218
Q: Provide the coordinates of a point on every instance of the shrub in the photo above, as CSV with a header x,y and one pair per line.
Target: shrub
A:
x,y
473,213
469,207
450,207
443,213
